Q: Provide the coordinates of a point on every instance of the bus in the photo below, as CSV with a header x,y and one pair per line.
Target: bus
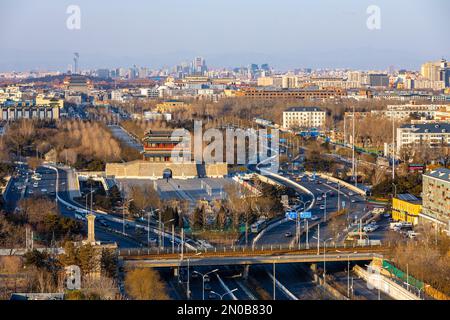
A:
x,y
258,225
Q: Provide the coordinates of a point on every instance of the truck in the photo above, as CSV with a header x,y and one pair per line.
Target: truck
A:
x,y
258,225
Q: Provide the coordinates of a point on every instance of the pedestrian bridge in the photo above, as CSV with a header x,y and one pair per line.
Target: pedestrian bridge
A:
x,y
247,256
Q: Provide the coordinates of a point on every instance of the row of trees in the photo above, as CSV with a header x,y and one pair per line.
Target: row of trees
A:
x,y
83,144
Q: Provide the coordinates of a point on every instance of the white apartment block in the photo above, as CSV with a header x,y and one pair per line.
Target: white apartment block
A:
x,y
402,112
304,117
430,134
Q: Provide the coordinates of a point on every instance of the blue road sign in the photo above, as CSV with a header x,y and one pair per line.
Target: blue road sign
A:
x,y
305,215
291,215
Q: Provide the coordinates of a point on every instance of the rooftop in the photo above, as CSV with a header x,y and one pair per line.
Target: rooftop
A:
x,y
440,173
303,109
438,127
408,197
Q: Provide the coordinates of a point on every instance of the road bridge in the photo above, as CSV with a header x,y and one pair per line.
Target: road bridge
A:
x,y
247,256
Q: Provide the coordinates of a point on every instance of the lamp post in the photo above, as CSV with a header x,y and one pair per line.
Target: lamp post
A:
x,y
223,295
423,291
203,280
123,214
348,271
298,222
188,293
324,256
395,189
161,232
325,205
148,225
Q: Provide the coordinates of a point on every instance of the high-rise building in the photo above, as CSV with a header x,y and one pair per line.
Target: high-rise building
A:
x,y
436,196
199,66
378,80
431,70
103,73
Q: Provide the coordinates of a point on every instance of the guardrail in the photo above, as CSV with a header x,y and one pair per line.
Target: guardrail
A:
x,y
254,250
111,218
336,180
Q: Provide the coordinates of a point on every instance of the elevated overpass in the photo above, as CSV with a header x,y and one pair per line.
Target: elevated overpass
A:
x,y
133,258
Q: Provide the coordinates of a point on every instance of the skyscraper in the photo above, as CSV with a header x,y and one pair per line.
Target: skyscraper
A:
x,y
199,66
431,70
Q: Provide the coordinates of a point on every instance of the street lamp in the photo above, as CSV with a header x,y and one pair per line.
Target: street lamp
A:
x,y
161,233
123,214
203,280
223,295
348,270
298,222
324,255
325,205
395,189
188,277
423,288
148,225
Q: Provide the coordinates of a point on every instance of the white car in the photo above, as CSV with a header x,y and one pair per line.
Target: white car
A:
x,y
43,190
322,207
314,218
35,185
319,198
370,228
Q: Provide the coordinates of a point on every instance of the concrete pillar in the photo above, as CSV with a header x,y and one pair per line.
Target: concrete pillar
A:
x,y
246,271
314,270
91,228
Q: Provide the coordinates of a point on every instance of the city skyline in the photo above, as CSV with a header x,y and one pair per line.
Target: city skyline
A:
x,y
234,38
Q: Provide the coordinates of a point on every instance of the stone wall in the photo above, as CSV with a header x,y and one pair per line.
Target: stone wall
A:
x,y
154,170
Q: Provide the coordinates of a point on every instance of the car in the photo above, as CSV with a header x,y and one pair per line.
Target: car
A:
x,y
314,218
80,217
102,222
352,200
35,185
213,296
322,207
370,228
43,190
319,198
288,234
412,234
30,192
152,240
350,194
387,215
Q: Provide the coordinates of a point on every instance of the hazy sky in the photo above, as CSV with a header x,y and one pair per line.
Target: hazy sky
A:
x,y
283,33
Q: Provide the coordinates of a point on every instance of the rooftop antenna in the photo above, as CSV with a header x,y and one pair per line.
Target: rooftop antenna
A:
x,y
75,60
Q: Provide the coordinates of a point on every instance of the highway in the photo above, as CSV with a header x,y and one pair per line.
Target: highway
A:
x,y
356,204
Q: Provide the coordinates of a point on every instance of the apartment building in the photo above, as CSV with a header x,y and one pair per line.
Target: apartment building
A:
x,y
304,117
436,196
427,134
404,111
